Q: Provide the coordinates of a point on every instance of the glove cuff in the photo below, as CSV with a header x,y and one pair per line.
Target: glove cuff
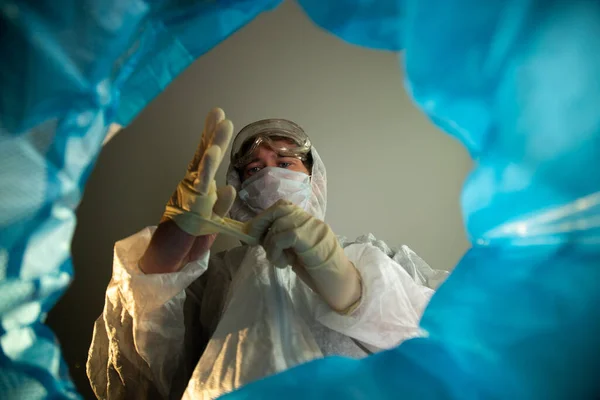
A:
x,y
333,272
352,307
186,220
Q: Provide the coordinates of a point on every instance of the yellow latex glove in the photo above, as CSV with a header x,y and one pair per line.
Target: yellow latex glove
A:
x,y
197,206
291,236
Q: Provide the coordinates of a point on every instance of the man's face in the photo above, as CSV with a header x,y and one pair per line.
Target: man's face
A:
x,y
265,156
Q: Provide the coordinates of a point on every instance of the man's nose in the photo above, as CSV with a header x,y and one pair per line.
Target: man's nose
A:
x,y
271,163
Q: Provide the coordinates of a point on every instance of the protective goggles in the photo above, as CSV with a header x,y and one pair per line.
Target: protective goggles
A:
x,y
268,132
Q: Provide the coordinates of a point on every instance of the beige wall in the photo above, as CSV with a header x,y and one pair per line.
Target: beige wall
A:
x,y
390,171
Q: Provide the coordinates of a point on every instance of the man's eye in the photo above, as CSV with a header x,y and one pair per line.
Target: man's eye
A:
x,y
252,171
284,164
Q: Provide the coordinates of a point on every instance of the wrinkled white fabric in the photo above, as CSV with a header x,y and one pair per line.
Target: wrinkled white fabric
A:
x,y
265,320
231,318
271,184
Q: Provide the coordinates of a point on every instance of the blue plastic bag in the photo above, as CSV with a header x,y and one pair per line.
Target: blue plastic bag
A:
x,y
69,69
516,81
367,23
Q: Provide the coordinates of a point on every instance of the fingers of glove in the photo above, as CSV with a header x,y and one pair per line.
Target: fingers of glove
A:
x,y
225,199
285,260
213,117
304,227
207,169
262,222
275,245
223,134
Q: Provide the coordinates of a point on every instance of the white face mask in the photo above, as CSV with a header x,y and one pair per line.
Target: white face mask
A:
x,y
271,184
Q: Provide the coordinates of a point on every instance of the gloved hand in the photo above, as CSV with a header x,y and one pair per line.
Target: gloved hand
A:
x,y
185,233
197,195
291,236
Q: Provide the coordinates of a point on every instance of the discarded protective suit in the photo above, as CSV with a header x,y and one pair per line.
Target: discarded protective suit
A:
x,y
231,318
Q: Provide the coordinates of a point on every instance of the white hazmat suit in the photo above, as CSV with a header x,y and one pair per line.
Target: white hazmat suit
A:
x,y
227,319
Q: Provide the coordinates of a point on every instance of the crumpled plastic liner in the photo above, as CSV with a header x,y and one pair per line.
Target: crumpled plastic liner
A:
x,y
516,81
